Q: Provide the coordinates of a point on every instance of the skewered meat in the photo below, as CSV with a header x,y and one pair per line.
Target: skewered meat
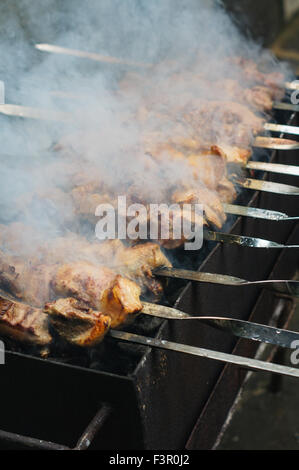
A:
x,y
135,262
76,322
24,323
138,263
225,121
100,288
211,204
232,154
273,81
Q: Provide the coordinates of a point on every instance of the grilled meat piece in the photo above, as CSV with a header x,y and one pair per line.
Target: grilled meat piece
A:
x,y
98,287
76,322
138,262
135,262
232,154
212,206
225,121
23,323
208,165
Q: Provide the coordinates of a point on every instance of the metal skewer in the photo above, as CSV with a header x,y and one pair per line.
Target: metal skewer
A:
x,y
256,213
294,108
268,186
275,143
93,56
273,168
88,55
33,113
239,328
242,240
245,362
289,287
281,128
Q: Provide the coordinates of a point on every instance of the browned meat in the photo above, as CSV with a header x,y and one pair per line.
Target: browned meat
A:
x,y
208,168
76,322
100,288
24,323
212,206
138,262
135,262
226,191
232,154
225,121
121,300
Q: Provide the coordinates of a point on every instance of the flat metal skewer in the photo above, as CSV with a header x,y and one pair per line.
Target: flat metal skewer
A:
x,y
292,170
275,143
88,55
293,108
268,186
256,213
240,328
242,240
244,362
289,287
281,128
34,113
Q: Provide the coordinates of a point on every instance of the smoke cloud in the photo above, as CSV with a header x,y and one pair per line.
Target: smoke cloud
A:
x,y
119,114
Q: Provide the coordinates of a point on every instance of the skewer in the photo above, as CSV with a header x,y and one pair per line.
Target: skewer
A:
x,y
268,126
33,113
284,286
115,60
88,55
239,328
294,108
53,115
275,143
273,168
268,186
242,240
281,128
244,362
256,213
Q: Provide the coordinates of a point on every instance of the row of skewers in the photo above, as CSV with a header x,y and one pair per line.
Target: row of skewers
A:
x,y
82,299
